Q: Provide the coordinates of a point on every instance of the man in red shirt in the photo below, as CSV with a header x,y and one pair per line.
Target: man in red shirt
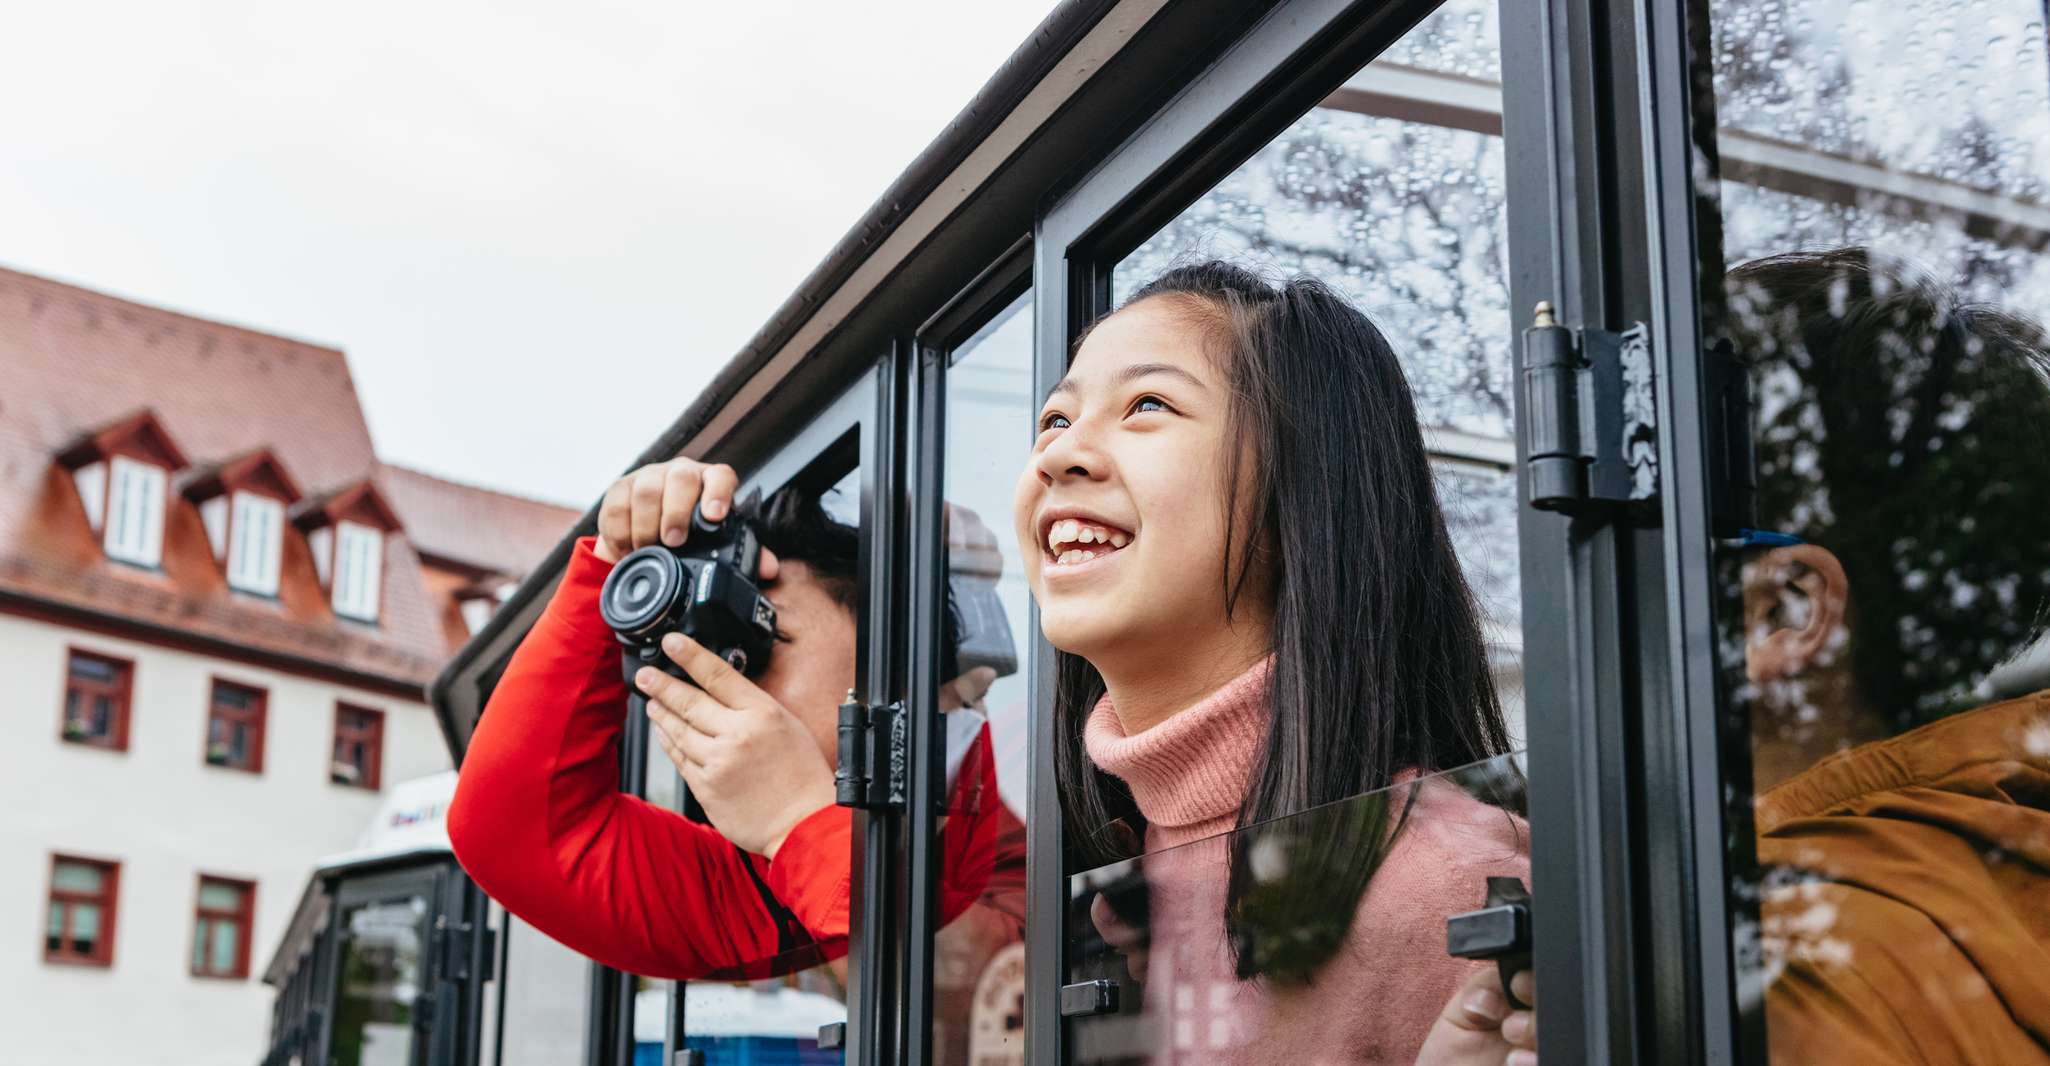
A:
x,y
538,819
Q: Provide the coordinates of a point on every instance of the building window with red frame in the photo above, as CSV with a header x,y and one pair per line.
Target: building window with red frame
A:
x,y
220,928
96,695
234,726
359,746
82,897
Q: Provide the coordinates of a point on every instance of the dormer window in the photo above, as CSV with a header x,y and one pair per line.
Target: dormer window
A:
x,y
242,504
256,530
122,472
346,531
135,512
359,570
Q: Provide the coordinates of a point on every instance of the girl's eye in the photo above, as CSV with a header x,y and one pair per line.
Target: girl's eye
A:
x,y
1052,420
1150,403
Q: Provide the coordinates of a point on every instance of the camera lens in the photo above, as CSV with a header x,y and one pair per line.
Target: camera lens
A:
x,y
640,591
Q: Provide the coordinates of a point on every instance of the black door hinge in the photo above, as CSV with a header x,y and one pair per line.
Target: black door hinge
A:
x,y
1590,427
457,939
872,771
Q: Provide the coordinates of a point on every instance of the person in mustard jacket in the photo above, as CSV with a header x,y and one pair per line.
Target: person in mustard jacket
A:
x,y
1903,820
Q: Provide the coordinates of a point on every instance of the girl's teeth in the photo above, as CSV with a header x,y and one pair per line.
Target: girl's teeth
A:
x,y
1119,540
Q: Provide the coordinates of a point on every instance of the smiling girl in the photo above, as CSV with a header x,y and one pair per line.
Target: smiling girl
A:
x,y
1243,566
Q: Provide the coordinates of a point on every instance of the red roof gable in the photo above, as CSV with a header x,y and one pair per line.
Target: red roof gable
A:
x,y
138,436
258,471
360,503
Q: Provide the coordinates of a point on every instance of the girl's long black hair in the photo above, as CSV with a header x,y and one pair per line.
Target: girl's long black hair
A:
x,y
1379,663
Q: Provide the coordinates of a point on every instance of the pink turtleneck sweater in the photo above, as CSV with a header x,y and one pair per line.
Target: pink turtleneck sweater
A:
x,y
1375,1000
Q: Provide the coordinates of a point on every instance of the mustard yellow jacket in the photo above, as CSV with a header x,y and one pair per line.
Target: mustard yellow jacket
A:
x,y
1908,920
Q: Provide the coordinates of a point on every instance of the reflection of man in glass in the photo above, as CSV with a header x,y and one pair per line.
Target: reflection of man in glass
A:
x,y
1903,438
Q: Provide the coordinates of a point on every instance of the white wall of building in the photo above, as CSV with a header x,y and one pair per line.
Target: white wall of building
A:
x,y
167,817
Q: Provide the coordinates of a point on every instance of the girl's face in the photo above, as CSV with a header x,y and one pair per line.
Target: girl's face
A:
x,y
1124,494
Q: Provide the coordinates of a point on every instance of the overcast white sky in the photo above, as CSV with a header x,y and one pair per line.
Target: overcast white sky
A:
x,y
498,210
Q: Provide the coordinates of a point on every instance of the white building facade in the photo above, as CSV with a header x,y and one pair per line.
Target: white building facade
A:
x,y
165,818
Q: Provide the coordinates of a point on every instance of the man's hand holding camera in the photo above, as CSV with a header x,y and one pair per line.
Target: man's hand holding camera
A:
x,y
746,758
652,505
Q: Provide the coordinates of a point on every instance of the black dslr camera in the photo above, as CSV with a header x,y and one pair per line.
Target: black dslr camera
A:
x,y
705,589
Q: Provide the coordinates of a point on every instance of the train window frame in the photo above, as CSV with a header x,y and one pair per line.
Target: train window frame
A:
x,y
1629,869
1576,220
958,322
851,432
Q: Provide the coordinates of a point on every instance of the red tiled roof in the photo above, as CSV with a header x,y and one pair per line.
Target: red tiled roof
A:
x,y
479,528
77,361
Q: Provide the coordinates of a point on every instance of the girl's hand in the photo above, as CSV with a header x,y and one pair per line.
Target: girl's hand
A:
x,y
746,758
1477,1028
1124,938
653,505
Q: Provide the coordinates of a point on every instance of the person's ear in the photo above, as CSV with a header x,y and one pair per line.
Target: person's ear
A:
x,y
1794,603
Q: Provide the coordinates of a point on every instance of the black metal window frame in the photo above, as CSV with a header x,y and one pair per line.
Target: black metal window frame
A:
x,y
856,427
1628,825
455,960
935,344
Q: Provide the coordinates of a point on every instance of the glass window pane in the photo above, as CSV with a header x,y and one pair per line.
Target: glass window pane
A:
x,y
85,924
378,983
979,980
1374,194
223,944
1312,888
1392,191
87,668
1885,200
56,928
201,931
220,896
546,996
78,877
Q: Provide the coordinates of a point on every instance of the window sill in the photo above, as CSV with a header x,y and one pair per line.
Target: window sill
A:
x,y
98,745
82,963
224,978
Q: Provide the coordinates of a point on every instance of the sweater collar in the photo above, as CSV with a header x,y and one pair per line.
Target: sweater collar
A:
x,y
1192,770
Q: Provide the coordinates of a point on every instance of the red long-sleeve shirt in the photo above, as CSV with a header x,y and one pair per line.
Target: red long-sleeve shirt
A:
x,y
539,823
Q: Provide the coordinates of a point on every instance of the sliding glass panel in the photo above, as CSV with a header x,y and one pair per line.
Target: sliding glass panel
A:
x,y
1885,201
1229,948
978,954
1392,191
543,999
